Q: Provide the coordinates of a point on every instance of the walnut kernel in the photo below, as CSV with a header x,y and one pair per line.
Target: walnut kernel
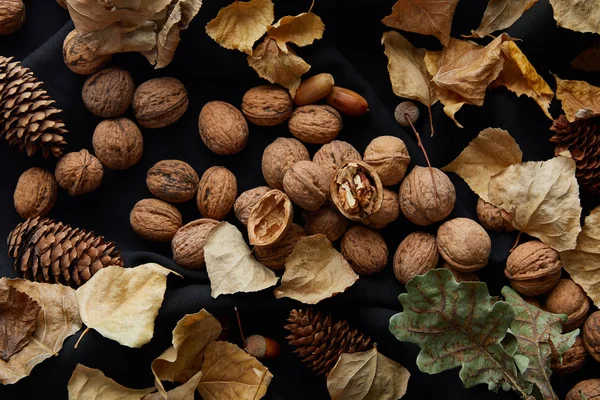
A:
x,y
356,191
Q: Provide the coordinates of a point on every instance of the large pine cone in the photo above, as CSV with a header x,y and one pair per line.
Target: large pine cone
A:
x,y
27,116
582,139
319,342
48,251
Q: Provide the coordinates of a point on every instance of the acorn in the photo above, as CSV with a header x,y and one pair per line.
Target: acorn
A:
x,y
261,347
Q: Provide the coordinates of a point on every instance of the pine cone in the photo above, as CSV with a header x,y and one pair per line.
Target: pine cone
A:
x,y
27,116
48,251
582,139
319,342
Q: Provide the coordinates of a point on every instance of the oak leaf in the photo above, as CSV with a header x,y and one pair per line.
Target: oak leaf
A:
x,y
239,25
228,372
91,384
578,16
122,303
589,59
579,99
499,15
423,16
230,264
367,375
182,392
489,153
543,199
302,30
58,319
315,271
18,318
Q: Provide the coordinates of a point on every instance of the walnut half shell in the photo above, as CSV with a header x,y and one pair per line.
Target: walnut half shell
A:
x,y
356,191
270,218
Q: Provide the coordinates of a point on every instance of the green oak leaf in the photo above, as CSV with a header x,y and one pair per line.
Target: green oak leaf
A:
x,y
534,330
459,325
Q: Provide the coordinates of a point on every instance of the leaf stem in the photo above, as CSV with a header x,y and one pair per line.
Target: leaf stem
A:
x,y
87,329
424,153
237,314
260,383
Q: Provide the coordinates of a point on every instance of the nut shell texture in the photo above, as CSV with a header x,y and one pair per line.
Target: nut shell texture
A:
x,y
464,244
326,221
109,92
365,250
274,256
356,191
389,211
35,193
315,124
223,128
267,105
591,335
155,220
333,155
389,157
188,243
463,276
572,360
306,185
172,180
79,58
533,268
160,102
568,298
79,173
270,218
415,255
493,218
278,157
12,16
589,388
216,193
118,143
245,201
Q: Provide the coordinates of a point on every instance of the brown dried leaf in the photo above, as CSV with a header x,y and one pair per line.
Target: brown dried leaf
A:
x,y
589,59
579,99
91,384
578,16
423,16
18,317
302,30
113,39
315,271
270,218
239,25
499,15
183,392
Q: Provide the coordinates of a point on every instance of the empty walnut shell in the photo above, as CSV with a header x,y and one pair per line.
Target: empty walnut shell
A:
x,y
494,218
155,220
270,218
278,157
245,201
591,335
35,193
388,213
118,143
568,298
315,124
188,243
464,244
109,92
461,276
216,193
79,58
389,157
533,268
306,185
223,128
333,155
273,256
326,221
160,102
365,250
572,360
174,181
79,172
356,191
267,105
589,390
415,255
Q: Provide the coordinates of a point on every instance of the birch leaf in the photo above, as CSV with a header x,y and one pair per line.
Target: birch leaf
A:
x,y
18,318
183,392
499,15
579,99
302,30
91,384
589,59
578,16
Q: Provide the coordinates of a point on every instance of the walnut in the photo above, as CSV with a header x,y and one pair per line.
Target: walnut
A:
x,y
315,124
270,218
245,201
333,155
79,58
155,220
591,335
12,16
533,268
79,172
223,128
174,181
568,298
464,244
365,250
306,185
35,193
108,93
326,221
118,143
415,255
356,191
216,193
188,243
278,157
588,389
160,102
571,361
388,213
424,202
461,276
494,218
389,157
273,256
267,105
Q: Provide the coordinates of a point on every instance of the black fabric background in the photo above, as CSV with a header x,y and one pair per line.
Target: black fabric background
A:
x,y
352,52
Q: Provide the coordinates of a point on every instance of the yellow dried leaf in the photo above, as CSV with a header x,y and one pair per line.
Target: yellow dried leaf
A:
x,y
589,59
578,16
579,99
530,3
91,384
492,151
183,392
499,15
239,25
302,30
112,39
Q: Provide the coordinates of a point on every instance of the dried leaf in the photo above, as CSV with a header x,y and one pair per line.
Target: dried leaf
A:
x,y
489,153
183,392
424,17
578,16
589,59
579,99
230,264
91,384
367,375
113,40
302,30
315,271
543,199
57,320
122,303
283,67
530,3
228,372
458,325
239,25
499,15
18,318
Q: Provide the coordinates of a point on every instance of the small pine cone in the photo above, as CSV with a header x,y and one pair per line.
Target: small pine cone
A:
x,y
49,251
27,115
582,139
319,342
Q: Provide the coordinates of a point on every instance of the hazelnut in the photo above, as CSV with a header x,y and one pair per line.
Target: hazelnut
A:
x,y
533,268
109,92
174,181
588,389
278,157
464,244
160,102
245,201
424,202
389,157
326,221
315,124
416,255
223,128
155,220
12,16
493,218
79,172
461,276
267,105
306,185
591,335
405,112
365,250
35,193
270,218
572,359
333,155
388,213
188,243
273,256
118,143
216,193
568,298
356,191
79,58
